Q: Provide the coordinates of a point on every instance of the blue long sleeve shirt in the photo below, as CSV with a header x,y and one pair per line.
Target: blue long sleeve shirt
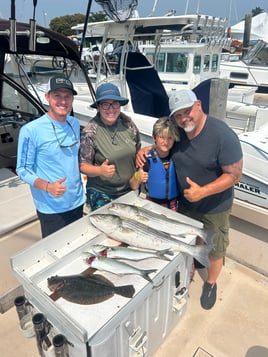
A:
x,y
48,149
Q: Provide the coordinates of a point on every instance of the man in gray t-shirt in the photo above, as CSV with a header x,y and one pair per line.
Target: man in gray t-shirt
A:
x,y
208,162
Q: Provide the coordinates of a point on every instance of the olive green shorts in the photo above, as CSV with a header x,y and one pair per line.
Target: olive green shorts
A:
x,y
219,223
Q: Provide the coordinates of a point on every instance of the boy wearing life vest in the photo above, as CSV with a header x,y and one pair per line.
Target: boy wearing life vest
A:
x,y
158,173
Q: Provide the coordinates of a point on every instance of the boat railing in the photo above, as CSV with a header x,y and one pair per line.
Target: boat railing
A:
x,y
240,124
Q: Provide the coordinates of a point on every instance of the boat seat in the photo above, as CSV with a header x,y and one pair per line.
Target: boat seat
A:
x,y
148,95
202,91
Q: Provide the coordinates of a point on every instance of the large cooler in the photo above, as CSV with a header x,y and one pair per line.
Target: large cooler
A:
x,y
119,326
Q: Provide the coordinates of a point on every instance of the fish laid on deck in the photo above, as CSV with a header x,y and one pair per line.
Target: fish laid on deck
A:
x,y
139,235
87,289
117,267
128,253
157,221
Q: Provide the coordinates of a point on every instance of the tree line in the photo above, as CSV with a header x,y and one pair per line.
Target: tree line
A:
x,y
63,24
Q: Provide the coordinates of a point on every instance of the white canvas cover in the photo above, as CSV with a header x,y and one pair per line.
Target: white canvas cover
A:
x,y
259,28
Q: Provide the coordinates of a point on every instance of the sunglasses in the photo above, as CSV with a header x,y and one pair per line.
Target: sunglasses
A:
x,y
60,144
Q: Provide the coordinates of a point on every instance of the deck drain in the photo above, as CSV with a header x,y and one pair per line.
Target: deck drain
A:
x,y
200,352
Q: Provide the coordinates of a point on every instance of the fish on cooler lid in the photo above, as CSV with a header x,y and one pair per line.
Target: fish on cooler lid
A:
x,y
127,253
139,235
158,221
116,267
87,289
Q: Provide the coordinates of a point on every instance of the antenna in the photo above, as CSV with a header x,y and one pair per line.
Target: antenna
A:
x,y
230,12
198,5
186,7
153,9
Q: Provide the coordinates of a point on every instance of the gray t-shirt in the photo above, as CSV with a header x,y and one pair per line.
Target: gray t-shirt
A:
x,y
201,159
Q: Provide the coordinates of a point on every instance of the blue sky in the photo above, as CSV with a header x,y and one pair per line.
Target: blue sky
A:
x,y
48,9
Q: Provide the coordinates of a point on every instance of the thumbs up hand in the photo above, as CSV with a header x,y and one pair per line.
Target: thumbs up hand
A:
x,y
194,193
106,169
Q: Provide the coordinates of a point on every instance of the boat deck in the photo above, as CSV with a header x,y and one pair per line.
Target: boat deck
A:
x,y
236,326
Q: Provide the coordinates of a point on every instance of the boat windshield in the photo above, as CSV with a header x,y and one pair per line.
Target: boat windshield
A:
x,y
179,62
257,55
170,62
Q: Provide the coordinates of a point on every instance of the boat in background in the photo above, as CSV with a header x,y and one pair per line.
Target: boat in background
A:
x,y
32,64
184,50
258,28
247,63
250,69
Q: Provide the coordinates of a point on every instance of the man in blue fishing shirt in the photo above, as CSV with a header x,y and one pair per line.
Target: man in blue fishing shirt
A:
x,y
48,159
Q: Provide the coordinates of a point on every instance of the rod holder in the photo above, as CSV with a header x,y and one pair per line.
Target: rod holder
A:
x,y
32,38
12,35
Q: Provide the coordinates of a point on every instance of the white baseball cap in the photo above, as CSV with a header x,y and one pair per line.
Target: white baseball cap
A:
x,y
180,99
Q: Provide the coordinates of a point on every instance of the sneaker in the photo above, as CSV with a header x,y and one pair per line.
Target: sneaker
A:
x,y
208,297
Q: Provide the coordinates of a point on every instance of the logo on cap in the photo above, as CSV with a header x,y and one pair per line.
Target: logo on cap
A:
x,y
63,80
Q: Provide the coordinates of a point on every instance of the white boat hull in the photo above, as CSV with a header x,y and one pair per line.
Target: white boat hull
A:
x,y
253,187
252,191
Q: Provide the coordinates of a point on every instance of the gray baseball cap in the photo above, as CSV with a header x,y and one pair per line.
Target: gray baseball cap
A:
x,y
180,99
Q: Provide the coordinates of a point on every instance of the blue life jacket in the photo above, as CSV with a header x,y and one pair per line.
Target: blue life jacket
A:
x,y
162,183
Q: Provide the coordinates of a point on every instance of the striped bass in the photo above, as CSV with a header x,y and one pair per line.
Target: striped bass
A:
x,y
139,235
127,253
157,221
116,267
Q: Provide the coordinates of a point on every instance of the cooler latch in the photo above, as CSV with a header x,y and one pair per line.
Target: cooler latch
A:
x,y
137,337
180,293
